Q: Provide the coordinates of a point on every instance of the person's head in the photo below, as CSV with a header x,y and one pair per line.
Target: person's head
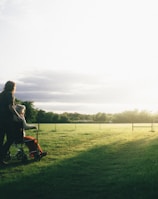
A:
x,y
10,86
20,109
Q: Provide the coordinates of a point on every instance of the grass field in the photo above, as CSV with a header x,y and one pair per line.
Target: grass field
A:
x,y
87,161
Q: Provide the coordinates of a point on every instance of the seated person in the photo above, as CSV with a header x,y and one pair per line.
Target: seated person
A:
x,y
30,141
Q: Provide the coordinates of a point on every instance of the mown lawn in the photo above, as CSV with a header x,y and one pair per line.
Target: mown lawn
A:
x,y
88,161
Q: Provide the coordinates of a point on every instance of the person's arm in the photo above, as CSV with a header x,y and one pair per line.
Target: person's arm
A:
x,y
27,126
13,110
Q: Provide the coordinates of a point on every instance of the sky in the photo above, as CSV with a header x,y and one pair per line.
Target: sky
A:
x,y
84,56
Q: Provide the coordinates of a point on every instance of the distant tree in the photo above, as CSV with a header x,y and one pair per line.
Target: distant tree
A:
x,y
132,116
100,117
109,118
40,118
125,117
145,117
55,118
31,112
63,118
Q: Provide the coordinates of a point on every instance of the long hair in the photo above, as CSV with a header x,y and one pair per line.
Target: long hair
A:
x,y
9,86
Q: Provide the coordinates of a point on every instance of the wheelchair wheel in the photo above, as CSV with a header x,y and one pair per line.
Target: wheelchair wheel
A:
x,y
19,155
24,158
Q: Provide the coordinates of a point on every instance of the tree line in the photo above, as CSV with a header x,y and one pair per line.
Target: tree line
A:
x,y
34,115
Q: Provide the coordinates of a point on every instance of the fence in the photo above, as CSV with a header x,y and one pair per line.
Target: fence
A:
x,y
151,126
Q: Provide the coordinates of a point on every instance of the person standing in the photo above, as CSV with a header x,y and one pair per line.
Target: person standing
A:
x,y
7,112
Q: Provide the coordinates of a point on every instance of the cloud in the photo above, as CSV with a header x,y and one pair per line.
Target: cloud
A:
x,y
74,91
71,91
55,85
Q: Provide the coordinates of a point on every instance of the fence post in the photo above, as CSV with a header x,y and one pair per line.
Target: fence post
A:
x,y
38,126
152,126
132,126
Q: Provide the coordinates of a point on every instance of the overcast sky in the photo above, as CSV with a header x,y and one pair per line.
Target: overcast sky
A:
x,y
84,56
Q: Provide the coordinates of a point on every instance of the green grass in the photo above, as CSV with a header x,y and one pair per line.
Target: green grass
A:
x,y
88,161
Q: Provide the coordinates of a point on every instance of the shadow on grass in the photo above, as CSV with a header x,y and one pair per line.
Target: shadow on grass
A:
x,y
117,171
